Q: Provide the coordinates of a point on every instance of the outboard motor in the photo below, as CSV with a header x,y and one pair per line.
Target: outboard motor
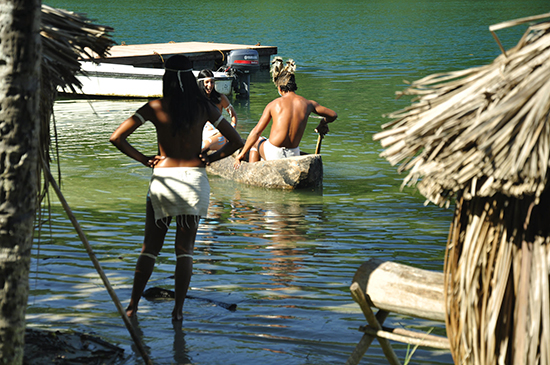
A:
x,y
240,64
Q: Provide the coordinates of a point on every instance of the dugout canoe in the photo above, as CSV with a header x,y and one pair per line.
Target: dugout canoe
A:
x,y
300,172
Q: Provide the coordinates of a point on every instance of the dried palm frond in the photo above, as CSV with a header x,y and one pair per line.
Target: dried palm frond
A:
x,y
483,135
497,272
497,281
480,131
66,38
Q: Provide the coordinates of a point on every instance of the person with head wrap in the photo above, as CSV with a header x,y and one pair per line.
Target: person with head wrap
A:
x,y
212,139
289,114
179,186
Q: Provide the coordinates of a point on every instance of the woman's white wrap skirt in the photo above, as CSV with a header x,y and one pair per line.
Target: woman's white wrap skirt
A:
x,y
178,191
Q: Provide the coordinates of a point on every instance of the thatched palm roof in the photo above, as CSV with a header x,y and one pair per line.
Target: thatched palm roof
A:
x,y
482,130
66,37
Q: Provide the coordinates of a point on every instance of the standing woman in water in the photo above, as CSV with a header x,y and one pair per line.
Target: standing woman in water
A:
x,y
179,186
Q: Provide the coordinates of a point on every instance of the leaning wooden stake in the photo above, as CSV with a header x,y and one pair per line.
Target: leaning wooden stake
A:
x,y
97,266
360,298
366,341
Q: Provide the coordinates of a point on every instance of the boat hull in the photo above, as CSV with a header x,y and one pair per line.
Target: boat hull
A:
x,y
290,173
127,81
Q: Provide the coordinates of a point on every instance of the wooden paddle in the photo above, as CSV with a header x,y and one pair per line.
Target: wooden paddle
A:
x,y
161,293
318,147
320,138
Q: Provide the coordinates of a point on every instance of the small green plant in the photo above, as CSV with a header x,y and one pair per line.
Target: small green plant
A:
x,y
410,353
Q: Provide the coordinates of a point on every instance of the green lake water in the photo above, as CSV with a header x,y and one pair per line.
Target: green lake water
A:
x,y
286,258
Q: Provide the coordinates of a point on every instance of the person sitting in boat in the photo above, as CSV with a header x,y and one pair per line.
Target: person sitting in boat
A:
x,y
212,139
290,113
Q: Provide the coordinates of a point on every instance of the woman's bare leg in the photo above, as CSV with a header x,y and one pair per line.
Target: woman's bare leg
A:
x,y
253,156
257,151
214,143
186,233
152,244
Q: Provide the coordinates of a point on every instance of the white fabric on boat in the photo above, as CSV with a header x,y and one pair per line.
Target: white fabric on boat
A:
x,y
178,191
208,130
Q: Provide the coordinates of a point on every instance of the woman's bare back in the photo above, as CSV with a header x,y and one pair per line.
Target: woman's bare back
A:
x,y
183,148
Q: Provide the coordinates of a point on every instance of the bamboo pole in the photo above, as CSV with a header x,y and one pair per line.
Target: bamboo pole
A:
x,y
97,266
409,337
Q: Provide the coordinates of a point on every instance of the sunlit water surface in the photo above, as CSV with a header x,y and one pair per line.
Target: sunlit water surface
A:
x,y
286,258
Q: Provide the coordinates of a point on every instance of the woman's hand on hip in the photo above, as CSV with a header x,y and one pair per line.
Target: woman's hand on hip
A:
x,y
152,161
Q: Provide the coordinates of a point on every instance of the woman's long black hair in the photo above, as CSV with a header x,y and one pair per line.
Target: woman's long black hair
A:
x,y
215,96
185,101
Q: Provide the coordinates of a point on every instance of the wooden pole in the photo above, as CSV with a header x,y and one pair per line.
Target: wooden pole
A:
x,y
360,298
318,147
409,337
402,289
366,341
320,138
97,266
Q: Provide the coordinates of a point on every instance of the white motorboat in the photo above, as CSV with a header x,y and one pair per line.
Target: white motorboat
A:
x,y
116,80
127,80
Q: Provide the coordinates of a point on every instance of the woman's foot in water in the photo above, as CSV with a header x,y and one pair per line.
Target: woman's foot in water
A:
x,y
131,311
177,315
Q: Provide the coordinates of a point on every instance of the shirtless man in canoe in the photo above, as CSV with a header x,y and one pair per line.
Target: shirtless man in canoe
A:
x,y
289,113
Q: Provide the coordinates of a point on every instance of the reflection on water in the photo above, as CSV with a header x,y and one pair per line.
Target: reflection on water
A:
x,y
180,351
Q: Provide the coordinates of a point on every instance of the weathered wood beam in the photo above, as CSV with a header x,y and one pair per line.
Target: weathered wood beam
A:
x,y
402,289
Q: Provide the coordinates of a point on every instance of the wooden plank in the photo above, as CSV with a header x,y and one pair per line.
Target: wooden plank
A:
x,y
402,289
